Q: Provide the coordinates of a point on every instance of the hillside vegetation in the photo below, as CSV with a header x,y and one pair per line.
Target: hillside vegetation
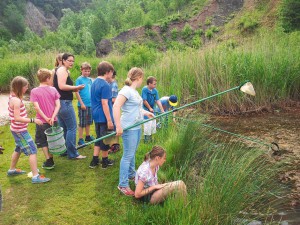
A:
x,y
253,45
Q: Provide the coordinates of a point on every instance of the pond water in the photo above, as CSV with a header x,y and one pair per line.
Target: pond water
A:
x,y
281,127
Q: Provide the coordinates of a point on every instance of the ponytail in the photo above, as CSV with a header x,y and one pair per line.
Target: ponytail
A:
x,y
155,151
133,74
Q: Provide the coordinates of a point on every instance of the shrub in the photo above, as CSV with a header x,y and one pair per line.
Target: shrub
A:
x,y
209,33
208,21
248,23
139,55
174,33
148,23
199,32
187,31
164,26
196,42
290,15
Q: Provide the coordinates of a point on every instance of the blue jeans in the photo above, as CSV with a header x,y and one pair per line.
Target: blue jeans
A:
x,y
131,140
67,120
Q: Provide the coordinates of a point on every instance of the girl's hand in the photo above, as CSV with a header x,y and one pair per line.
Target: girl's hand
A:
x,y
119,131
149,114
38,122
79,87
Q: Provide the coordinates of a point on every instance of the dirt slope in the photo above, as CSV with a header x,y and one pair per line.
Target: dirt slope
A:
x,y
217,11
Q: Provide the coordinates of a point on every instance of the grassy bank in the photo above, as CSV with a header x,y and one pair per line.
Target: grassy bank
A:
x,y
270,60
222,182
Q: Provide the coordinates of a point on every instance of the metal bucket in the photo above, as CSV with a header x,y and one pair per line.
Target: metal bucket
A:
x,y
56,141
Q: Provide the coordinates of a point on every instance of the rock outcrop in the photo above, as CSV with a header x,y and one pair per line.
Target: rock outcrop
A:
x,y
217,11
37,21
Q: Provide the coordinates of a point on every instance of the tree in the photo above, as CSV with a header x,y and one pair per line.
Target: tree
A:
x,y
13,20
98,27
290,15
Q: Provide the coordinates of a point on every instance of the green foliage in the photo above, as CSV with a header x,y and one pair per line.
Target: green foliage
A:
x,y
209,33
214,29
13,19
196,42
148,23
176,45
199,32
174,33
290,15
248,23
164,26
140,56
98,26
187,31
208,21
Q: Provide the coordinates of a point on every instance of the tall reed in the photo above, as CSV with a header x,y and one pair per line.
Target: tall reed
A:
x,y
226,185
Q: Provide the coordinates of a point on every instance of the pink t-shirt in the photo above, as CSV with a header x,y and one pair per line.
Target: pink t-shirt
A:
x,y
46,97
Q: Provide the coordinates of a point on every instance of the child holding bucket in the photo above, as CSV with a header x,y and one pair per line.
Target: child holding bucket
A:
x,y
45,99
84,104
150,97
18,126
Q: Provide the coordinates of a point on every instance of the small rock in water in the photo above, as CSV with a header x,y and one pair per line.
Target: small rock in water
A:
x,y
255,222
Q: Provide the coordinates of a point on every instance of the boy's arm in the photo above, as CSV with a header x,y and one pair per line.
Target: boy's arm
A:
x,y
56,109
105,107
147,105
83,107
39,111
160,106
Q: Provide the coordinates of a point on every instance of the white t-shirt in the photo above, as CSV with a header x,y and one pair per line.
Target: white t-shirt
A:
x,y
132,111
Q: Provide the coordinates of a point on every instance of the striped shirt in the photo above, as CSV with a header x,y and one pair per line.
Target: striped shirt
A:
x,y
14,125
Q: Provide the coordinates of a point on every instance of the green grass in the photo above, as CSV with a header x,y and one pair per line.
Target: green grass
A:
x,y
270,60
221,183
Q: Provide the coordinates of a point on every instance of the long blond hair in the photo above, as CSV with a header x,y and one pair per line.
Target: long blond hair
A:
x,y
133,74
17,84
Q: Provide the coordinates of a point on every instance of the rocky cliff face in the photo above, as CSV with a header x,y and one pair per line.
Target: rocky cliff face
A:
x,y
37,21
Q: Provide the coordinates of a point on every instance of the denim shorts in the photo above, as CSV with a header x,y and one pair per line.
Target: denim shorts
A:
x,y
85,116
40,136
24,143
101,130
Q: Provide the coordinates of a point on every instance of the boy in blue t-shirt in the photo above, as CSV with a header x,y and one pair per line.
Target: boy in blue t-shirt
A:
x,y
150,97
84,103
101,99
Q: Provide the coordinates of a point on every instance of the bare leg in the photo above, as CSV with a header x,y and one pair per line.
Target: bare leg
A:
x,y
96,150
87,130
161,194
104,154
46,152
14,160
33,164
80,132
